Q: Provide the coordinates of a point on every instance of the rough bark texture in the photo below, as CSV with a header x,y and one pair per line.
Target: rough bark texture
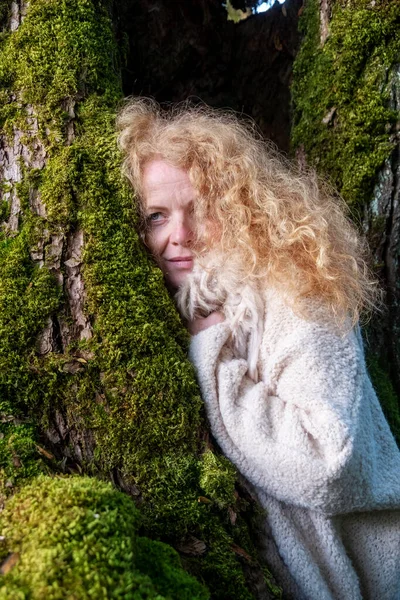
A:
x,y
346,123
186,50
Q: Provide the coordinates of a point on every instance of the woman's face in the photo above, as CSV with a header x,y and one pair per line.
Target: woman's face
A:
x,y
168,206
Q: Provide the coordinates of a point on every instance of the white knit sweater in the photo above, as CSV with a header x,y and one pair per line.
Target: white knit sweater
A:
x,y
311,439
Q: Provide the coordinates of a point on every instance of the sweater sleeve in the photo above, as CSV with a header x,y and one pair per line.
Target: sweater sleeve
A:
x,y
299,435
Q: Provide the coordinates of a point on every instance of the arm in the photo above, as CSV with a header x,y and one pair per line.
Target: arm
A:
x,y
296,437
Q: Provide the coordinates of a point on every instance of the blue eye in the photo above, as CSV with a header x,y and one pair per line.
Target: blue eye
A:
x,y
155,218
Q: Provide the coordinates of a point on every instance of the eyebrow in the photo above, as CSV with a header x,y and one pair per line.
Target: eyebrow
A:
x,y
161,207
154,207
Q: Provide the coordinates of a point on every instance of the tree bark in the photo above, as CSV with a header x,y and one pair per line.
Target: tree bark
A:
x,y
184,50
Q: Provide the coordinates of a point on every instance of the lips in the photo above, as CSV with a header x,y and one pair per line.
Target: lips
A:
x,y
184,262
180,259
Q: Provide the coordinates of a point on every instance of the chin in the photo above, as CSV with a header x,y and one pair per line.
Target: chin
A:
x,y
175,280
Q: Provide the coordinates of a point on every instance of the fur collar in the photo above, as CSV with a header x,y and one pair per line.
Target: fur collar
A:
x,y
221,283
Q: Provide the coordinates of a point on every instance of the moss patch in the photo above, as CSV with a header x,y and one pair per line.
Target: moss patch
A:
x,y
28,295
77,536
5,8
21,457
340,93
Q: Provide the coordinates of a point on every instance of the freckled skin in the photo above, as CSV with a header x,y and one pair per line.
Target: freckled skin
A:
x,y
169,198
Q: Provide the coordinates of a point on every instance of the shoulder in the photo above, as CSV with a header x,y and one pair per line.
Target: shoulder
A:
x,y
306,316
309,336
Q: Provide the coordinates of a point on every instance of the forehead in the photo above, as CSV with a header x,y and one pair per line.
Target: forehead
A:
x,y
160,176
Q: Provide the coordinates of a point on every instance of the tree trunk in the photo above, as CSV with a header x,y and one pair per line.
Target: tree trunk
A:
x,y
93,371
346,96
179,50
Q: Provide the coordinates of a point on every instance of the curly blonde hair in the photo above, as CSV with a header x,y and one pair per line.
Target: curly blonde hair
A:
x,y
288,225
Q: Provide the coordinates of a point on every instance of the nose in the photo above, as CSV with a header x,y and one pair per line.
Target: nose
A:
x,y
181,232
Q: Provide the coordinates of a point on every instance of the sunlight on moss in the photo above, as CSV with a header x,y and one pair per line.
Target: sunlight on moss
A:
x,y
78,536
342,114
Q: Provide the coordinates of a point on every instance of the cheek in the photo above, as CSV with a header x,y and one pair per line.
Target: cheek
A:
x,y
155,241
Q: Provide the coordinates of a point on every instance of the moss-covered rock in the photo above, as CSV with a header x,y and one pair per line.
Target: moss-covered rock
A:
x,y
77,538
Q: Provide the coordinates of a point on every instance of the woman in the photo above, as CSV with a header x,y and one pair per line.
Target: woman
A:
x,y
270,276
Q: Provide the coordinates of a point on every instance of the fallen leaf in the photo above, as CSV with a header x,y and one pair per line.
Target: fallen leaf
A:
x,y
238,550
9,563
45,453
204,500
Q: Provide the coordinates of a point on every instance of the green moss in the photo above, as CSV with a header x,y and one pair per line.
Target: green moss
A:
x,y
78,536
28,295
341,93
4,210
20,454
76,56
19,458
217,479
5,9
162,564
